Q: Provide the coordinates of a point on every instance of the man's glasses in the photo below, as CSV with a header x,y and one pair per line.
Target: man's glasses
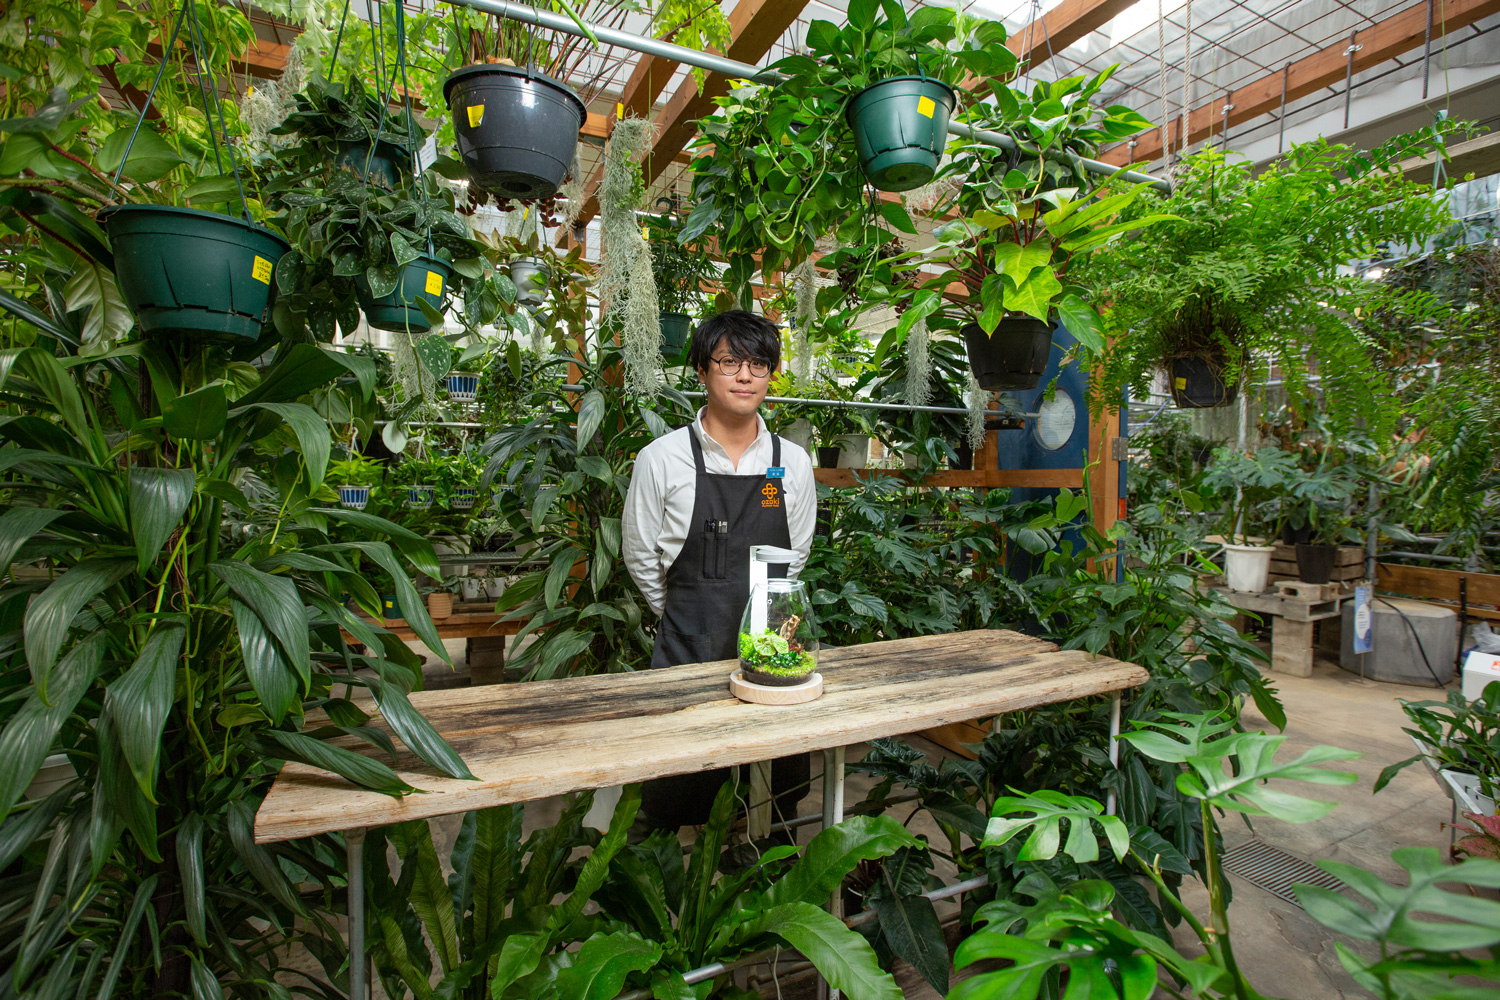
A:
x,y
731,366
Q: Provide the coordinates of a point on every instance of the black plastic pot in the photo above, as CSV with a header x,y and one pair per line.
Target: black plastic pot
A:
x,y
965,459
1197,383
900,127
675,329
1013,357
1296,536
182,270
516,128
425,278
386,167
828,457
1315,562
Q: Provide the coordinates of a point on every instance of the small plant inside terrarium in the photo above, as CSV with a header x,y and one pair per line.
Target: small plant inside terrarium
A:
x,y
778,635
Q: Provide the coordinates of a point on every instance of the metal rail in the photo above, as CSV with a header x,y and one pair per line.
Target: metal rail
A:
x,y
744,71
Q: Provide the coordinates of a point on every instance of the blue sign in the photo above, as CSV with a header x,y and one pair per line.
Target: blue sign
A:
x,y
1364,620
775,472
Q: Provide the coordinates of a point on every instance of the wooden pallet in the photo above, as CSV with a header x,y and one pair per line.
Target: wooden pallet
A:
x,y
1308,591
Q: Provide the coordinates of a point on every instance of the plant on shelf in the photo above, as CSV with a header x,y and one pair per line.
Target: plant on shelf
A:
x,y
387,244
681,271
1023,222
1456,734
414,480
783,164
459,480
1256,273
930,438
843,428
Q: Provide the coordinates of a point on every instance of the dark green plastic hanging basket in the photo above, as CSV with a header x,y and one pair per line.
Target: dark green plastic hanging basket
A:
x,y
183,270
388,166
425,278
900,127
675,328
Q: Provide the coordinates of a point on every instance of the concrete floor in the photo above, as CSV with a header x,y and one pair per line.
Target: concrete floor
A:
x,y
1284,952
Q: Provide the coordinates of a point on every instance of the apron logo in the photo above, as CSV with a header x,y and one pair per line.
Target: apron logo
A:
x,y
770,492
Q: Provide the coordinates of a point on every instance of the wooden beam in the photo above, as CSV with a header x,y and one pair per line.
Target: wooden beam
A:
x,y
1438,584
1327,67
1062,26
989,478
1480,157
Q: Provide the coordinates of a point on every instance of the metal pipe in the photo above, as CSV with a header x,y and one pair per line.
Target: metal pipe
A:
x,y
860,404
1114,748
736,70
956,889
1421,555
860,810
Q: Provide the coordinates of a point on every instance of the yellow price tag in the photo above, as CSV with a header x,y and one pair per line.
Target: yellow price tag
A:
x,y
434,283
261,270
476,114
926,106
619,109
1180,383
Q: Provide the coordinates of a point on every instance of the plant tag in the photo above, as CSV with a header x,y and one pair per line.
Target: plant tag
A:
x,y
476,114
434,283
1180,383
926,106
261,270
427,155
775,472
619,109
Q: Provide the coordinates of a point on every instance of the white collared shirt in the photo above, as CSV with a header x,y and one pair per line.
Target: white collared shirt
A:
x,y
664,485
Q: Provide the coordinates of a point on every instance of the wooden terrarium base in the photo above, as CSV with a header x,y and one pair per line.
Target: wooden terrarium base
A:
x,y
762,694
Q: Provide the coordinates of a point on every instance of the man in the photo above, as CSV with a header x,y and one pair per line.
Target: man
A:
x,y
699,498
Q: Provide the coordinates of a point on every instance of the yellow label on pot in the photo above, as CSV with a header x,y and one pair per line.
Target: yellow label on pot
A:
x,y
1180,383
434,283
261,270
476,114
926,106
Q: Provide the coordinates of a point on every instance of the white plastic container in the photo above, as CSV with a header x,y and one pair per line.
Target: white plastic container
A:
x,y
1480,669
1246,567
854,451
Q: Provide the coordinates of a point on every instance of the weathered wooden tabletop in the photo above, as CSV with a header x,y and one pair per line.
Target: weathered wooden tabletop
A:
x,y
528,741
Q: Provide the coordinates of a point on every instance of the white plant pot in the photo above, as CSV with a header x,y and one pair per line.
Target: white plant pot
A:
x,y
354,497
471,587
799,433
1467,794
53,774
854,451
1246,567
463,498
494,586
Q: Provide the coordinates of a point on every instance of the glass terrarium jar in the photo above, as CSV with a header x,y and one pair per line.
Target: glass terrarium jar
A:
x,y
778,634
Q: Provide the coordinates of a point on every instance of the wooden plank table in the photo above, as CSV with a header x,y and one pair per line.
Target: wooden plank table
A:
x,y
543,738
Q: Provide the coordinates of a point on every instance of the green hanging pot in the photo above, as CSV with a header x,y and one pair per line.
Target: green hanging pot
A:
x,y
387,166
183,270
900,127
675,328
425,278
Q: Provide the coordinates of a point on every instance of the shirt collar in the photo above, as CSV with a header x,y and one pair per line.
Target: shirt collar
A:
x,y
707,441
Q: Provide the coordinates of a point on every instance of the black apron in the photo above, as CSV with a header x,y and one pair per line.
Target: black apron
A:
x,y
707,586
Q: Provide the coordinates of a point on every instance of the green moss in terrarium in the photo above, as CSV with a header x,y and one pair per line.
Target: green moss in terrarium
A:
x,y
771,653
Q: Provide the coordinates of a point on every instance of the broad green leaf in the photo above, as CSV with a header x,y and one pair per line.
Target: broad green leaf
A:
x,y
429,896
596,868
158,499
1034,296
494,865
271,677
144,893
150,159
518,957
435,355
93,288
239,819
1082,322
417,733
1098,237
312,434
190,870
417,616
400,958
275,601
140,699
360,770
910,925
843,957
599,969
28,734
417,549
51,615
205,983
1017,262
590,416
197,416
834,853
19,525
1186,736
1049,809
896,215
299,370
1247,790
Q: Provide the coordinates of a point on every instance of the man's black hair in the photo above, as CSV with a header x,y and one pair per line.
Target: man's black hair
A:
x,y
746,335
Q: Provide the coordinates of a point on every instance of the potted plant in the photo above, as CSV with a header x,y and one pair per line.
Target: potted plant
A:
x,y
1459,740
792,420
462,380
458,481
1022,222
842,433
356,475
416,476
680,270
516,128
1248,484
1254,265
394,252
921,438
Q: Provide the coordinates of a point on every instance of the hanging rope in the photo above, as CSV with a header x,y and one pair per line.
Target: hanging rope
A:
x,y
1161,55
1187,79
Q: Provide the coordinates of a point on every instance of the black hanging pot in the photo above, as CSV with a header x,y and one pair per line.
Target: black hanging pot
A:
x,y
675,328
387,165
1013,357
183,270
516,128
424,279
1315,562
900,127
1197,383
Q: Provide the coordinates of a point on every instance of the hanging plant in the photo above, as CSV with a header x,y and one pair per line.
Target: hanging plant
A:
x,y
918,364
978,400
805,285
627,286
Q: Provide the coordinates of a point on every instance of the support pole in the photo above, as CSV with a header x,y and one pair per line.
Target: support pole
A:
x,y
1281,118
833,814
1349,74
1114,748
736,70
354,846
1427,50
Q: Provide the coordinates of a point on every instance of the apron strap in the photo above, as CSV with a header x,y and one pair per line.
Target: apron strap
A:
x,y
697,450
775,451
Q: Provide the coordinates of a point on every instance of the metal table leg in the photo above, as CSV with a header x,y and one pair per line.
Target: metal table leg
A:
x,y
833,813
354,845
1114,748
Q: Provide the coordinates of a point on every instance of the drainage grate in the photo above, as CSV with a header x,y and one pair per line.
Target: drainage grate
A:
x,y
1274,870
